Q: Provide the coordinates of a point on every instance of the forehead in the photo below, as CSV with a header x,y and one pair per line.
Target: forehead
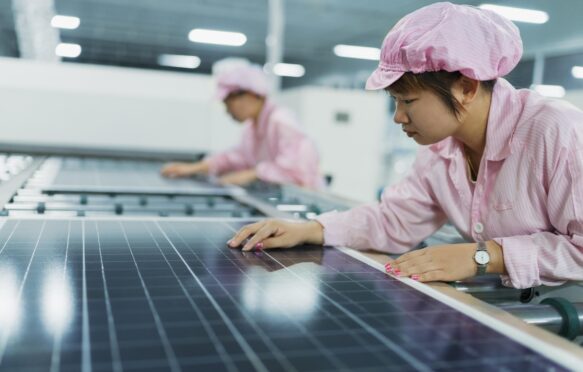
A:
x,y
235,95
404,92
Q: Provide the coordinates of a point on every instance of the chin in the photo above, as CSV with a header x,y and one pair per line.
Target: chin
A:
x,y
424,141
420,140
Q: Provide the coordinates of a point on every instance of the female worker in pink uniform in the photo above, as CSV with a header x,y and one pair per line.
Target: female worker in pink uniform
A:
x,y
273,147
505,166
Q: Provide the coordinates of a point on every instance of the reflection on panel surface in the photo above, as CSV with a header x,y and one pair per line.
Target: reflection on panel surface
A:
x,y
169,295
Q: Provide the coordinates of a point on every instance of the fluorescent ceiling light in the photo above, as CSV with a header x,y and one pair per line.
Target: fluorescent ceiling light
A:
x,y
577,72
180,61
289,69
201,35
518,14
68,50
67,22
554,91
359,52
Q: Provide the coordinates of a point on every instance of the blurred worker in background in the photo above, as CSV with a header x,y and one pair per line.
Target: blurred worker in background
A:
x,y
273,147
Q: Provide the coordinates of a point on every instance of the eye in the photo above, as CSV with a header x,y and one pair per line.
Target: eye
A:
x,y
408,101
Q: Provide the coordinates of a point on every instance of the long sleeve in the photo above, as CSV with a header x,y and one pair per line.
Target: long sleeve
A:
x,y
552,257
234,159
407,214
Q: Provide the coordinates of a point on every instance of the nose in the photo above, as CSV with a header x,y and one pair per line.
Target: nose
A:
x,y
400,116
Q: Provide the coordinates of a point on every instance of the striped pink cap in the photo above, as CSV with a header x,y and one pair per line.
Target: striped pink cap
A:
x,y
249,78
478,43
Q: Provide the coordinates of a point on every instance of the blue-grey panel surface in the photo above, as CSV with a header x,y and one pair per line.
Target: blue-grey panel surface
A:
x,y
101,295
94,174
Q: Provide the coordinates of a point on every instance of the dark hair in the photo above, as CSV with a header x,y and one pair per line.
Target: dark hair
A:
x,y
241,92
439,82
236,93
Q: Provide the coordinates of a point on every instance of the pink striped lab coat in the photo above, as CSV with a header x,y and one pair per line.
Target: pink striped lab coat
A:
x,y
276,147
528,196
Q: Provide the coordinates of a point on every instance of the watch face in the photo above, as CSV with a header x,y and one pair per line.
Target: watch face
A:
x,y
482,257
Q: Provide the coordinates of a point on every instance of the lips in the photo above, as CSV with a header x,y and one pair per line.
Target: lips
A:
x,y
409,133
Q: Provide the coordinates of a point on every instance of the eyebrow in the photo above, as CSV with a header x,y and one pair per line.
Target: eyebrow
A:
x,y
404,96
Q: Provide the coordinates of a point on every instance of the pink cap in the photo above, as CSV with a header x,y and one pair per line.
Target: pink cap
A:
x,y
248,78
478,43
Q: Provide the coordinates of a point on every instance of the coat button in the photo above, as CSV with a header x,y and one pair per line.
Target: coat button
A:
x,y
478,228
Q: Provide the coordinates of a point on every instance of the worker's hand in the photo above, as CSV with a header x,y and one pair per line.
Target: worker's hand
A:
x,y
241,178
438,263
277,234
174,170
447,262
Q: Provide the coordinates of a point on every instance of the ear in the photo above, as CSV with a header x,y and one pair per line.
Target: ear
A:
x,y
467,90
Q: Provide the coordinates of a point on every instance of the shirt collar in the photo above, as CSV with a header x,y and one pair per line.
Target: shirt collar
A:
x,y
505,110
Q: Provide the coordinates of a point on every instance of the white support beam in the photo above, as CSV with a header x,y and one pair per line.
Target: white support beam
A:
x,y
274,41
36,38
539,68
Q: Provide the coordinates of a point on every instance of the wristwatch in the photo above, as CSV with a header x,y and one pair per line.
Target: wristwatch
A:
x,y
482,258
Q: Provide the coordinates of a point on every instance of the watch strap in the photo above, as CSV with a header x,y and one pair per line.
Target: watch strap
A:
x,y
481,267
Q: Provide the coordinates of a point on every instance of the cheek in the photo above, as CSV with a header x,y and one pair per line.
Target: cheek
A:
x,y
435,121
235,110
229,107
444,127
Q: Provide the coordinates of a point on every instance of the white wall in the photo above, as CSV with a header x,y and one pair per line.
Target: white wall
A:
x,y
575,97
351,151
110,107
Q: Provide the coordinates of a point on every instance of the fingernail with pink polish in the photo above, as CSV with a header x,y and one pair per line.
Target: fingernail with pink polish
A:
x,y
259,246
415,277
397,272
388,269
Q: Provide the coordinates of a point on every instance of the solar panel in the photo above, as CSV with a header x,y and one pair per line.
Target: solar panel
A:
x,y
101,175
152,294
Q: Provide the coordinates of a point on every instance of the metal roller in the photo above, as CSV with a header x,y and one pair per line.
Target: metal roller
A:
x,y
554,314
490,289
